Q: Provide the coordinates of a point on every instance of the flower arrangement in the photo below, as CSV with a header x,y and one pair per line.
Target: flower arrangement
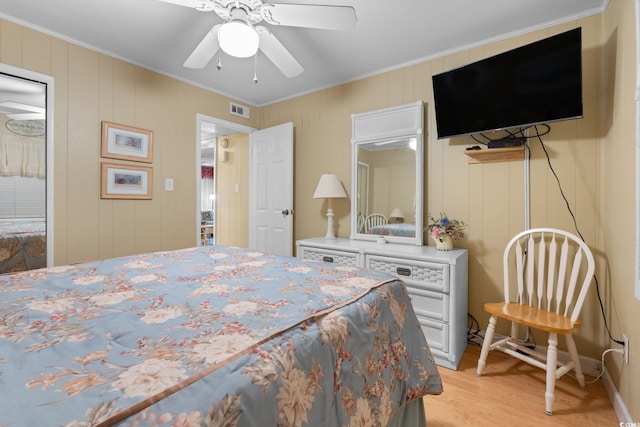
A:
x,y
444,226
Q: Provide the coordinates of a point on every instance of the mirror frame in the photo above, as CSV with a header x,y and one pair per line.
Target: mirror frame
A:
x,y
401,122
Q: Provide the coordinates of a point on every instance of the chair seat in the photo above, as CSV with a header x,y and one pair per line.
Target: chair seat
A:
x,y
533,317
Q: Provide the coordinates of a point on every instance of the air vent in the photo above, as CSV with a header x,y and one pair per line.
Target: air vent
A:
x,y
239,110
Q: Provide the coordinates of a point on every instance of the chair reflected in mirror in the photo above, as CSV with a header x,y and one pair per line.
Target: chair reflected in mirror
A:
x,y
360,222
374,220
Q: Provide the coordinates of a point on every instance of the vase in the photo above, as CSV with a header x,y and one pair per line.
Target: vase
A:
x,y
443,243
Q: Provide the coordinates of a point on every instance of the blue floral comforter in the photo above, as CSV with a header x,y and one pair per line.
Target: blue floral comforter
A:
x,y
209,336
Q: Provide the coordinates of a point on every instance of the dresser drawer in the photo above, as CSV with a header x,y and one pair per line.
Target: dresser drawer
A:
x,y
427,275
436,333
429,304
350,259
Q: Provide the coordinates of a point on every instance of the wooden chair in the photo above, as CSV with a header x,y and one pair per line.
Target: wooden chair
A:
x,y
547,273
360,220
374,220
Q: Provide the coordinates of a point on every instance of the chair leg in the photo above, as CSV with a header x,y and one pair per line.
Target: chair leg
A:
x,y
552,359
514,332
486,344
571,346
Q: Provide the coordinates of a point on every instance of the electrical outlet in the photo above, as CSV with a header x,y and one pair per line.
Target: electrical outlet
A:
x,y
625,339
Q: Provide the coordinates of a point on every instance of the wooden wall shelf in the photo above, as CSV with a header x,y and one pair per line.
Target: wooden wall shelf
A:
x,y
488,155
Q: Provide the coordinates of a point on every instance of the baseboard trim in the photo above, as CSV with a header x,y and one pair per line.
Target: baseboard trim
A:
x,y
616,400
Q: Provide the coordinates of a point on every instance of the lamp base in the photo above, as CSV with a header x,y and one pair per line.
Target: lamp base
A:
x,y
330,235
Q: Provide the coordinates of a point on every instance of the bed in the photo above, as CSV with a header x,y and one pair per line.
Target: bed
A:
x,y
394,229
22,244
214,336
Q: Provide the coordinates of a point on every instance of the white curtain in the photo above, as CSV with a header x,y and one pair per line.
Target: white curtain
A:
x,y
207,188
22,156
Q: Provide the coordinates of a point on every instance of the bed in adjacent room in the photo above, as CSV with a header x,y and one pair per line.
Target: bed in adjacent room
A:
x,y
211,336
23,244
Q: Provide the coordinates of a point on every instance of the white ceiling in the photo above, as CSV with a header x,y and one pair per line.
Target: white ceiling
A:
x,y
388,35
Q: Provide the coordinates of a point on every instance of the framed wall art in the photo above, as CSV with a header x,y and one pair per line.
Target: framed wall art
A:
x,y
120,181
126,142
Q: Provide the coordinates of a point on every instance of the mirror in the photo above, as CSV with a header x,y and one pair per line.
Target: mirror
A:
x,y
387,175
24,223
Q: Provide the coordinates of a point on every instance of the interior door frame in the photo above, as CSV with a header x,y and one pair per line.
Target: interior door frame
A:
x,y
48,81
236,128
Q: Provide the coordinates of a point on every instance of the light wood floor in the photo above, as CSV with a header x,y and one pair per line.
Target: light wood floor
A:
x,y
511,393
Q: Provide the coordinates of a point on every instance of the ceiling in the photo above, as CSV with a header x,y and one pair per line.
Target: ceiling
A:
x,y
389,34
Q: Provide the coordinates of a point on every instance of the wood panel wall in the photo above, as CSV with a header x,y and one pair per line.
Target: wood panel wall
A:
x,y
232,207
91,87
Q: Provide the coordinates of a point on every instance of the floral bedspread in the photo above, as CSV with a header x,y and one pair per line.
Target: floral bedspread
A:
x,y
22,245
208,336
394,229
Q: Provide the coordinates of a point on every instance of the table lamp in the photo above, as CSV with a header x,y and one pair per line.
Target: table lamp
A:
x,y
329,187
396,216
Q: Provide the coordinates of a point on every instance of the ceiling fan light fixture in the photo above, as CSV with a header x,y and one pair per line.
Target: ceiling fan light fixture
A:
x,y
239,39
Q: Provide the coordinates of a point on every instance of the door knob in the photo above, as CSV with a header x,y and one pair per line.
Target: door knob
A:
x,y
286,212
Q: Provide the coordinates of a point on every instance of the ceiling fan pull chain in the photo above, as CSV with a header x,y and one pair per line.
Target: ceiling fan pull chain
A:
x,y
219,66
255,68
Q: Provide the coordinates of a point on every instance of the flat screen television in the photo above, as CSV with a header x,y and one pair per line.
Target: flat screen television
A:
x,y
537,83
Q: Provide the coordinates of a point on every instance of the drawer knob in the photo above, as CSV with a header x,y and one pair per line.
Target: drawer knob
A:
x,y
403,271
327,259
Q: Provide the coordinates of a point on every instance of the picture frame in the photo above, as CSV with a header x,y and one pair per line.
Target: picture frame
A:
x,y
126,142
122,181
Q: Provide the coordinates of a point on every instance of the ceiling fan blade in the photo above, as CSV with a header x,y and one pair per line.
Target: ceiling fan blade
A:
x,y
310,16
204,5
278,54
203,53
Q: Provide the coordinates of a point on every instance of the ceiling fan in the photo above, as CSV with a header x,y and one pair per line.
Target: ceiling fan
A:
x,y
239,35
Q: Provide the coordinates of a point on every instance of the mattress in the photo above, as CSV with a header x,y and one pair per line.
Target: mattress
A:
x,y
209,336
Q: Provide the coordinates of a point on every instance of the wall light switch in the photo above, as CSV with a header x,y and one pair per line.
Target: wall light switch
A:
x,y
237,188
168,184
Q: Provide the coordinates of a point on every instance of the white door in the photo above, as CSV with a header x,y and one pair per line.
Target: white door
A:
x,y
271,190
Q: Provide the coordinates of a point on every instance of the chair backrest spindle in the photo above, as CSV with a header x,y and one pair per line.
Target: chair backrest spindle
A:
x,y
573,281
551,274
519,275
531,258
542,245
562,275
552,267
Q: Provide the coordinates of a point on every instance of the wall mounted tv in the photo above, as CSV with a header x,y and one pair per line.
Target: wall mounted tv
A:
x,y
537,83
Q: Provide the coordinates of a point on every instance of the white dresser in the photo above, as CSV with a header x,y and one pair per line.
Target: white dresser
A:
x,y
436,281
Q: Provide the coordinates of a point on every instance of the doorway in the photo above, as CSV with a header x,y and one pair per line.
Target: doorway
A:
x,y
26,174
210,132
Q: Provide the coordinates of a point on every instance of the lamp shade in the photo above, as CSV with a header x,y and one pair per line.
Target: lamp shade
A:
x,y
238,39
396,213
329,187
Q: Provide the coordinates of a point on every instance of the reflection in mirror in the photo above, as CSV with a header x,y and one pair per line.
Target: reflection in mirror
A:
x,y
386,188
387,175
363,194
23,204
